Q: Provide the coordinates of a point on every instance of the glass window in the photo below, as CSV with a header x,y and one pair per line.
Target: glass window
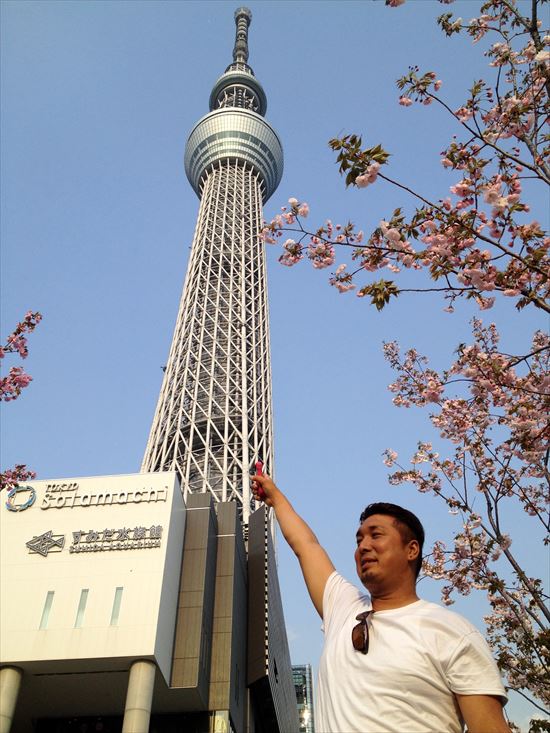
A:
x,y
116,606
46,610
81,608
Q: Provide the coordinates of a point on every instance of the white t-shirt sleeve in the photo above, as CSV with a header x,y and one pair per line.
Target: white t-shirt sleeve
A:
x,y
339,597
471,669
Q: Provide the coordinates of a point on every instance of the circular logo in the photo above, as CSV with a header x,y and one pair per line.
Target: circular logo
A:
x,y
12,493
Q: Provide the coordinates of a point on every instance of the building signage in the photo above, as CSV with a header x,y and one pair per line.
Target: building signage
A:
x,y
69,495
138,538
13,495
124,538
47,542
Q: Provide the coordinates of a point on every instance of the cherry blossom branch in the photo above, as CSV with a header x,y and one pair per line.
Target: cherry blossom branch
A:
x,y
530,25
497,536
475,233
502,152
492,509
520,491
346,241
11,386
529,699
17,379
517,360
15,476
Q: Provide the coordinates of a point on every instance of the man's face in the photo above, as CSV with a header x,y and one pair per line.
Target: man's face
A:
x,y
381,555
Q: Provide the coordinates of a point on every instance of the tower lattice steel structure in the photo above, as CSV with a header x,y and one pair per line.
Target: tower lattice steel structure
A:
x,y
214,416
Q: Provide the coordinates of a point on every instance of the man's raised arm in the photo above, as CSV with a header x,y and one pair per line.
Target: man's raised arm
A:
x,y
315,563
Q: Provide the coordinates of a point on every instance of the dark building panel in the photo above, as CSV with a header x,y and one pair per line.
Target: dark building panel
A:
x,y
228,669
269,666
193,637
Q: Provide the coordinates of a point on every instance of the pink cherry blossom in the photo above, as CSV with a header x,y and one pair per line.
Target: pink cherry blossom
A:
x,y
16,342
15,476
390,456
12,385
464,114
370,175
321,254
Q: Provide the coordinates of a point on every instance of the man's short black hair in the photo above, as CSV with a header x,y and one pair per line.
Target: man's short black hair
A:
x,y
407,523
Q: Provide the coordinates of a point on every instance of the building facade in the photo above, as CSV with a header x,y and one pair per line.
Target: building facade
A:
x,y
89,585
150,601
303,684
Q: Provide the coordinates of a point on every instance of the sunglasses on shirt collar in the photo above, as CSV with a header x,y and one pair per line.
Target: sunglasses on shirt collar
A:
x,y
360,633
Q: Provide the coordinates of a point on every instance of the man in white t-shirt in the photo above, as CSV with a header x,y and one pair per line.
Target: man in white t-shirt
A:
x,y
391,663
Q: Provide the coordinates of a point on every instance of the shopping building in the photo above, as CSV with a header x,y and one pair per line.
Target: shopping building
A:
x,y
303,684
150,601
117,600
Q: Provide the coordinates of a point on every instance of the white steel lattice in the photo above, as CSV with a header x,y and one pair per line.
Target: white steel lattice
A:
x,y
213,419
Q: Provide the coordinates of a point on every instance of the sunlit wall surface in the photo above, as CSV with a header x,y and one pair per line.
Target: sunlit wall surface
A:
x,y
89,580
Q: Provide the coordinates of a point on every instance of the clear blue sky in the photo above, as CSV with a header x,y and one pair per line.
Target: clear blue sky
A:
x,y
97,218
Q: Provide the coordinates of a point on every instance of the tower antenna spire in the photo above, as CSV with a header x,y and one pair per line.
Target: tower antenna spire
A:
x,y
243,18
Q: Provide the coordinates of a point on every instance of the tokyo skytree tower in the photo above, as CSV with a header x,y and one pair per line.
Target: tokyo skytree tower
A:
x,y
214,418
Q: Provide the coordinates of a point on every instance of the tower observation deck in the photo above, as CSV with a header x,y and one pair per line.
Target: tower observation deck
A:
x,y
214,418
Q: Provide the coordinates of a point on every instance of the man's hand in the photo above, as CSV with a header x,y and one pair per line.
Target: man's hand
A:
x,y
315,563
264,489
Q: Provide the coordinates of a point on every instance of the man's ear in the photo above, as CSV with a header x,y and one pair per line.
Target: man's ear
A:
x,y
413,550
